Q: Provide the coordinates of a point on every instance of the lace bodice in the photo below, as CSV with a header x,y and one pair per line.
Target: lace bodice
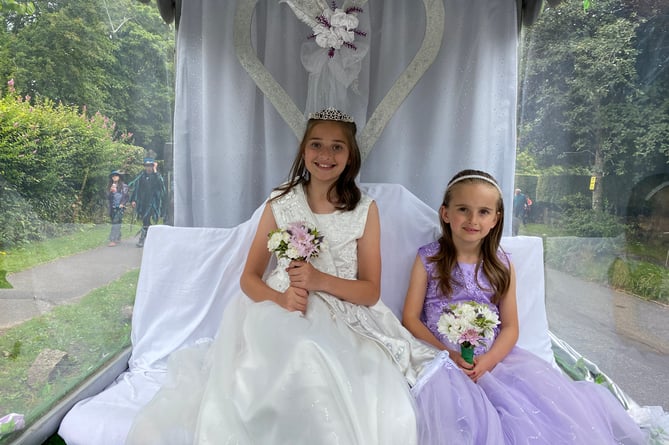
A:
x,y
340,229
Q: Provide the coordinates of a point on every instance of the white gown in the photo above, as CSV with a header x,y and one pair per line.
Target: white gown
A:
x,y
340,374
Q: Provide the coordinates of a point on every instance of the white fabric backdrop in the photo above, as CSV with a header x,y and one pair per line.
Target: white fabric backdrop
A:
x,y
232,146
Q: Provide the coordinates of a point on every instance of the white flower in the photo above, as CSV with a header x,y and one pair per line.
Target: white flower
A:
x,y
329,39
275,240
464,317
336,28
292,253
339,19
344,35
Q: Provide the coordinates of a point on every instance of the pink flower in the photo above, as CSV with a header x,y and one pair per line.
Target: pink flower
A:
x,y
470,336
296,242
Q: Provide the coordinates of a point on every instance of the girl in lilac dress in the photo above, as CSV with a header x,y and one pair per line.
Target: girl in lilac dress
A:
x,y
534,402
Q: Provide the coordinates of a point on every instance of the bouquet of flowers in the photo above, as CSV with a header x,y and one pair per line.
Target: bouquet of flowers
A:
x,y
468,324
297,242
11,422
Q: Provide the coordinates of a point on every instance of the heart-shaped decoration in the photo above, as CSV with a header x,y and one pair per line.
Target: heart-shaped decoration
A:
x,y
289,111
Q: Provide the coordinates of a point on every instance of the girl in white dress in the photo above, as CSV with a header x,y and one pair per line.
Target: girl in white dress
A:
x,y
308,355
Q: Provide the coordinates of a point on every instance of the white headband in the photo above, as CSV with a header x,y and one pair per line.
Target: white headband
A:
x,y
481,177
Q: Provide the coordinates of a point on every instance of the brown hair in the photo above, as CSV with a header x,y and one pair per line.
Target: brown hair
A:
x,y
497,271
344,193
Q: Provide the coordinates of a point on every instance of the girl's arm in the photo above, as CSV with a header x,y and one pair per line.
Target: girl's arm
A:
x,y
413,307
366,289
251,280
508,333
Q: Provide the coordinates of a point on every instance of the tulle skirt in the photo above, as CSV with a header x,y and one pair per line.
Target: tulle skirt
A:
x,y
276,377
523,400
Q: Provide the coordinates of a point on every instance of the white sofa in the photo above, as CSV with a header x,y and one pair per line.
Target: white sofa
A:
x,y
188,275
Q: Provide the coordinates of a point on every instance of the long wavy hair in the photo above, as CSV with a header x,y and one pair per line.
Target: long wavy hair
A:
x,y
119,184
496,270
344,194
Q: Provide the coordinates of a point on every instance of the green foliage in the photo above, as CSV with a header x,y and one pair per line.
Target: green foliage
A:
x,y
587,258
17,7
526,164
554,188
606,261
115,58
594,97
649,281
591,223
528,184
619,274
54,165
89,331
18,222
641,278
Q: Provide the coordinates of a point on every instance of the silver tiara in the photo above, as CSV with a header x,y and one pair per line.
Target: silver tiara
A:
x,y
331,114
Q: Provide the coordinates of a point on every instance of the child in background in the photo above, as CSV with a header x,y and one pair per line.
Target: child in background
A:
x,y
117,195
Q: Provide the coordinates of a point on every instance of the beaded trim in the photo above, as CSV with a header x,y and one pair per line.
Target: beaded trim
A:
x,y
331,114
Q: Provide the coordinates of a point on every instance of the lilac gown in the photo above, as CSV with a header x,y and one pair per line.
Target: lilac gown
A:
x,y
534,402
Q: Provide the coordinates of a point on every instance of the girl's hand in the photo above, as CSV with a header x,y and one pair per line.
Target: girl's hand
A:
x,y
304,275
482,364
294,299
463,364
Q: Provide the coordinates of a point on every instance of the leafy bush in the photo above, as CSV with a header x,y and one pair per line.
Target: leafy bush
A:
x,y
640,278
54,165
579,220
588,258
619,274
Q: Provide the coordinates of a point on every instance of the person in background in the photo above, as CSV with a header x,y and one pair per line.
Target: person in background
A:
x,y
518,203
148,194
527,209
117,195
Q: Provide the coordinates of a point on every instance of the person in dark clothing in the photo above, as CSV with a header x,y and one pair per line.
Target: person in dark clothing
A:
x,y
148,192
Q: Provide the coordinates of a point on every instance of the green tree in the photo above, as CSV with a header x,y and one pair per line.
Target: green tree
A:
x,y
584,103
114,57
18,7
65,55
143,93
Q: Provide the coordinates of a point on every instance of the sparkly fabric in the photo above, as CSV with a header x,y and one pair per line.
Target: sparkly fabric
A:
x,y
532,402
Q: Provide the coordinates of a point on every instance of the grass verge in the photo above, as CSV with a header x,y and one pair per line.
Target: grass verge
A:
x,y
89,331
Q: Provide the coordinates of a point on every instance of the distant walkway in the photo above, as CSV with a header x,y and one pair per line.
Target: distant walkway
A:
x,y
37,290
